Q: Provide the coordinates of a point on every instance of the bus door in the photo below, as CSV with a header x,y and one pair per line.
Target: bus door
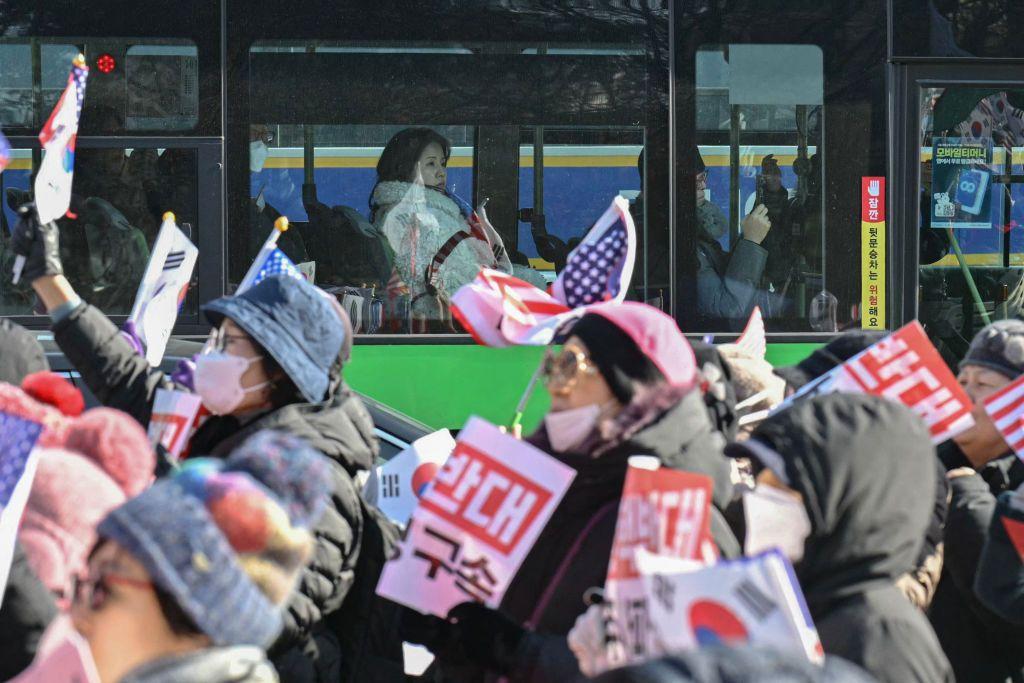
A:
x,y
960,186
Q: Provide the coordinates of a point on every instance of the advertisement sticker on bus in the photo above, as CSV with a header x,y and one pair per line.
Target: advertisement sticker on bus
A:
x,y
961,175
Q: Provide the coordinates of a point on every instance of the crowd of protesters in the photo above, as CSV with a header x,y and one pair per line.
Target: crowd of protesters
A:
x,y
257,557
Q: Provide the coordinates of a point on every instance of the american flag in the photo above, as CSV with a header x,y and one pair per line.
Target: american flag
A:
x,y
53,182
601,266
269,262
18,438
753,340
5,152
499,310
1006,408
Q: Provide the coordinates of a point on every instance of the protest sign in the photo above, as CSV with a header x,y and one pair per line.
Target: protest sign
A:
x,y
904,367
18,461
961,174
175,414
397,486
663,511
753,600
163,288
476,523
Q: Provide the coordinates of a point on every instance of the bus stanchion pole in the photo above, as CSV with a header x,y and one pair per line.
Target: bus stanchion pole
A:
x,y
968,277
516,428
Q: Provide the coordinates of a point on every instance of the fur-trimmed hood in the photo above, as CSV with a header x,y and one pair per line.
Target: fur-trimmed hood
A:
x,y
392,192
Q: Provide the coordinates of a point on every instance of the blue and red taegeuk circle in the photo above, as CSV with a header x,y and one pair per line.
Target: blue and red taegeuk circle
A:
x,y
423,475
714,623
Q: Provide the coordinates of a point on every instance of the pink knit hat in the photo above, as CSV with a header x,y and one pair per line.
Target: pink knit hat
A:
x,y
70,496
656,335
117,444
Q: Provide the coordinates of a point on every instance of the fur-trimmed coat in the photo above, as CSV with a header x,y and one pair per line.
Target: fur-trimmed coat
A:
x,y
417,222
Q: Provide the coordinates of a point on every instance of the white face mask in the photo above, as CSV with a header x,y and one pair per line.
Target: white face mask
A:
x,y
257,155
218,379
567,428
775,519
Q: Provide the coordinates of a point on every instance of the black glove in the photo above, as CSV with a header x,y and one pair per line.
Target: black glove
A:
x,y
39,244
483,636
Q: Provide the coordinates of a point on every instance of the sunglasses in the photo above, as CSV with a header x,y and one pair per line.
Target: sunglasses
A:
x,y
93,592
563,370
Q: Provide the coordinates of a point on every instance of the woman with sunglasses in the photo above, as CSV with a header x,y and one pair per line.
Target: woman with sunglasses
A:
x,y
624,383
188,580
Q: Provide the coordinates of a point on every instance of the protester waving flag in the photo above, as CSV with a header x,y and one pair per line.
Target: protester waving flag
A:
x,y
270,260
501,310
5,152
1006,408
17,468
53,182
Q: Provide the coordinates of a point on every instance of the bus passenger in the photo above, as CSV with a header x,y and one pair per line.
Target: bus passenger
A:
x,y
440,243
727,282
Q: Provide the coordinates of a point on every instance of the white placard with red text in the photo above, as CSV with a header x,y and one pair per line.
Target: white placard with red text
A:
x,y
174,415
475,523
904,367
663,511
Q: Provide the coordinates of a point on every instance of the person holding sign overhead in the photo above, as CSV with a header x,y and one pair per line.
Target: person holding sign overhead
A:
x,y
624,383
275,363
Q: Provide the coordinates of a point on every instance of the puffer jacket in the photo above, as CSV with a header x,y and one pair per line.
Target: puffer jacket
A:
x,y
981,645
417,223
212,665
865,469
571,554
339,427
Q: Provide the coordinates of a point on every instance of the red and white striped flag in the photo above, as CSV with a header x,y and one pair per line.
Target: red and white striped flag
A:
x,y
1006,408
500,310
753,340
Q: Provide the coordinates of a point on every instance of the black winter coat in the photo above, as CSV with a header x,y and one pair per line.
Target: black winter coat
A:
x,y
339,427
980,644
27,610
865,469
572,552
999,583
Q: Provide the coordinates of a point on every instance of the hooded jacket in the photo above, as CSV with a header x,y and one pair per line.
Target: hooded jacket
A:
x,y
999,583
572,552
339,427
864,467
240,664
981,645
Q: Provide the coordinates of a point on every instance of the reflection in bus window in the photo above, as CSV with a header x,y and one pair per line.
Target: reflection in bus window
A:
x,y
118,198
758,188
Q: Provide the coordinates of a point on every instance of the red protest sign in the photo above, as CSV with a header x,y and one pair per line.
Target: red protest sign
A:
x,y
906,367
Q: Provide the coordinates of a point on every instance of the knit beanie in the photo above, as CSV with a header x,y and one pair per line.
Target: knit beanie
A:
x,y
15,401
616,356
841,349
999,347
70,496
228,538
117,443
53,389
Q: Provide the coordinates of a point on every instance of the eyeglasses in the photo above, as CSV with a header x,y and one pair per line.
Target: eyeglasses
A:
x,y
563,370
94,591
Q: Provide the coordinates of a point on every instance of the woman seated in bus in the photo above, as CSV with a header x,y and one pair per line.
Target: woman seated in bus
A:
x,y
440,243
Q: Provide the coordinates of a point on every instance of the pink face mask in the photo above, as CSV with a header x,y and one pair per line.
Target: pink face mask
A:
x,y
218,379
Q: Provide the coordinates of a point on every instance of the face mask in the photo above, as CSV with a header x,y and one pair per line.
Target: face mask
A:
x,y
257,155
775,520
218,380
567,428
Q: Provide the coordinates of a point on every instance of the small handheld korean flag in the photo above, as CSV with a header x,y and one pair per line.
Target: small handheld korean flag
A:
x,y
163,288
18,438
752,600
397,486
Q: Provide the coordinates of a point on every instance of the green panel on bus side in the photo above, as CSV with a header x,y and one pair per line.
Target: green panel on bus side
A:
x,y
442,385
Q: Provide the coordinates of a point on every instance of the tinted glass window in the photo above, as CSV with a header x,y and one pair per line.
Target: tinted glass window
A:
x,y
118,198
957,28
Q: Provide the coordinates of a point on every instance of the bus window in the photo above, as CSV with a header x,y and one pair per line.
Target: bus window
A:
x,y
971,249
118,198
759,212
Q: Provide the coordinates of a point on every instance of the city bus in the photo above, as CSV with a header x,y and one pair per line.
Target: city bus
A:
x,y
231,114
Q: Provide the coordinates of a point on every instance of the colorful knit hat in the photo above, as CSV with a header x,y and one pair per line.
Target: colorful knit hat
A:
x,y
228,538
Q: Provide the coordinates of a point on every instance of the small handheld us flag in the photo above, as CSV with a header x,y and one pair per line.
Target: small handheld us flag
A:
x,y
18,438
270,261
1006,408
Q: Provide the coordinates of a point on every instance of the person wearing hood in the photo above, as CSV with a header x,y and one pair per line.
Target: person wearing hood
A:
x,y
727,282
624,383
439,242
981,645
276,363
851,477
189,579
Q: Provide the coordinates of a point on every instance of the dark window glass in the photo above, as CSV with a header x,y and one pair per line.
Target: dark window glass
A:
x,y
957,28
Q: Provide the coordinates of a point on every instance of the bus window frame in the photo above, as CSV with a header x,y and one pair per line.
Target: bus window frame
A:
x,y
209,230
